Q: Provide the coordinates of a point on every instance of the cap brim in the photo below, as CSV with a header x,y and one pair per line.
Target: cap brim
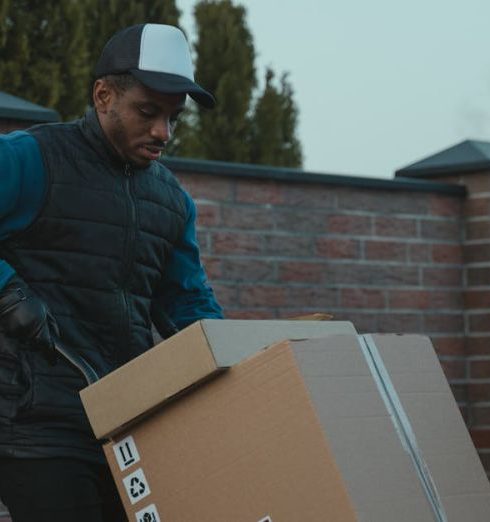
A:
x,y
174,84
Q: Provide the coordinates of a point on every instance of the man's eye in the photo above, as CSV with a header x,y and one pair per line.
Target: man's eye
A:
x,y
145,112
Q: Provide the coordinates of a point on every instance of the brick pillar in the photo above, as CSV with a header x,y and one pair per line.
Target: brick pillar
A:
x,y
476,250
468,164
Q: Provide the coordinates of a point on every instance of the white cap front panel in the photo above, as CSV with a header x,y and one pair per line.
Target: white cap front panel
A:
x,y
165,49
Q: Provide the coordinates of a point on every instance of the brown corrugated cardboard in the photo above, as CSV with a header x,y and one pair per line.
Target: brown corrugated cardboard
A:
x,y
244,447
191,356
282,435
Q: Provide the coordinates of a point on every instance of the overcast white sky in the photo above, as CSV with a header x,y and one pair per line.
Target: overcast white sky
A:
x,y
380,83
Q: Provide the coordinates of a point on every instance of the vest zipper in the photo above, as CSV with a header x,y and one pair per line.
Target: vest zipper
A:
x,y
128,257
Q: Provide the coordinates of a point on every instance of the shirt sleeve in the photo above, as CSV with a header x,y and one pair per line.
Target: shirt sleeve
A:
x,y
186,296
23,187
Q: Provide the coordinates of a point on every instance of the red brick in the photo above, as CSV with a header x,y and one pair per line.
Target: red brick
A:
x,y
441,299
477,299
443,323
453,369
439,229
480,437
480,369
419,252
225,294
479,322
300,220
259,191
310,196
362,298
386,250
478,392
477,253
479,415
289,245
248,270
248,217
449,346
475,207
349,224
313,296
478,345
448,277
295,312
417,299
212,266
236,243
301,272
364,322
208,215
207,187
445,206
478,182
395,227
477,230
251,314
364,274
399,323
381,201
9,125
478,276
263,296
338,248
450,254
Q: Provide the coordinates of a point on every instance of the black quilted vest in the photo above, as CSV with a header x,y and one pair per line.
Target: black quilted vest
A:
x,y
95,255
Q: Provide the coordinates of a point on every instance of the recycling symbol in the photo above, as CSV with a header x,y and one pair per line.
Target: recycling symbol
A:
x,y
137,488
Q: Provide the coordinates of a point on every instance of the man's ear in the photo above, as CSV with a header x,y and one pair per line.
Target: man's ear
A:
x,y
103,94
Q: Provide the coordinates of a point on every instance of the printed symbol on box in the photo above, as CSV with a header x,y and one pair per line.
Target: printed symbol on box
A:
x,y
126,453
265,519
136,486
148,514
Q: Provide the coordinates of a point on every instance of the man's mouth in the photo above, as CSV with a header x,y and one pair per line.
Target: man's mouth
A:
x,y
152,152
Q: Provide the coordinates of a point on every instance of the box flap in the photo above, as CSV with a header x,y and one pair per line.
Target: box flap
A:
x,y
196,353
232,341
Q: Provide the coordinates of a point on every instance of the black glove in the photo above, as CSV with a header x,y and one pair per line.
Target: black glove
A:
x,y
25,317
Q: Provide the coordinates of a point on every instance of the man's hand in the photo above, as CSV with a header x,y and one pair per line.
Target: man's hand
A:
x,y
25,317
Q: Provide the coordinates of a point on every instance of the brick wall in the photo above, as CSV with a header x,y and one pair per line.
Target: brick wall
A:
x,y
9,125
389,260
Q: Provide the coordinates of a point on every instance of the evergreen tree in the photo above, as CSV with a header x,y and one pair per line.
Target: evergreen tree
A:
x,y
48,48
273,138
43,52
224,65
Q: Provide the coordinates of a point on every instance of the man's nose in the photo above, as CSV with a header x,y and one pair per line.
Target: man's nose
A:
x,y
161,130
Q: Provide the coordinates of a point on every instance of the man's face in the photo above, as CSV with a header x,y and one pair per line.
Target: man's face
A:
x,y
139,121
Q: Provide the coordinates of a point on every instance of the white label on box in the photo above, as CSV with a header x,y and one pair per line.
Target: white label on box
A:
x,y
126,453
265,519
148,514
136,486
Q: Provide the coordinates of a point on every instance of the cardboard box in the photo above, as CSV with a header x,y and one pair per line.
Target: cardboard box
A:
x,y
338,428
195,354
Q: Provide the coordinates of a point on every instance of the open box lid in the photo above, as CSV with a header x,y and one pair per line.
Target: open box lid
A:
x,y
195,354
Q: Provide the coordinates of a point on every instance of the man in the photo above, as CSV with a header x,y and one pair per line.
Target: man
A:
x,y
97,242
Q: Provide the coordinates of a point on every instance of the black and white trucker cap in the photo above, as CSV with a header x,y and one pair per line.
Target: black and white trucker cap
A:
x,y
158,56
